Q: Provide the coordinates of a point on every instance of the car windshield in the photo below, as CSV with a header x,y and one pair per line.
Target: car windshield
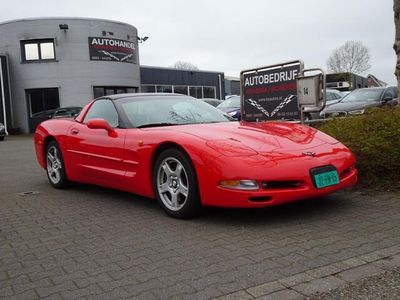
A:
x,y
363,95
152,111
234,101
330,96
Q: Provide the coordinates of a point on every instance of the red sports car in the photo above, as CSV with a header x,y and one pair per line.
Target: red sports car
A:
x,y
188,154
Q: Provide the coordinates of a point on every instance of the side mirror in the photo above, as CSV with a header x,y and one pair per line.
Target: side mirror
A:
x,y
101,124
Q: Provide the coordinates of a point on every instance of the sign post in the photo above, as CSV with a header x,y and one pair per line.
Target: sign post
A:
x,y
311,91
270,92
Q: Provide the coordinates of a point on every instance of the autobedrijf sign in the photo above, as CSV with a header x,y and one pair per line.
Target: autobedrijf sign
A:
x,y
106,49
270,93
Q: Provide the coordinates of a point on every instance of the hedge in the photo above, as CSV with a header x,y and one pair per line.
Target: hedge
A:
x,y
374,138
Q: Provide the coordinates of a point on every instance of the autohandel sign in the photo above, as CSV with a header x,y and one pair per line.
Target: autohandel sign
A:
x,y
270,93
107,49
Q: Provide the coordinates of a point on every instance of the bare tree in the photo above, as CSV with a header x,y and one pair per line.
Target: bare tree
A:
x,y
396,46
183,65
352,57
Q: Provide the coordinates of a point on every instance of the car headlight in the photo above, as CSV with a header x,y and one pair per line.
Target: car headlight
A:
x,y
2,127
357,112
239,184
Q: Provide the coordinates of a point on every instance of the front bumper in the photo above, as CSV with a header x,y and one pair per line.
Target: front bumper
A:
x,y
291,170
262,198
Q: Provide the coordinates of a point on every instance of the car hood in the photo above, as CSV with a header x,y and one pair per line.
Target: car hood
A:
x,y
244,138
350,106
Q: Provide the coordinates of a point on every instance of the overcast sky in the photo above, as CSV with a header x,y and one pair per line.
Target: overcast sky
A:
x,y
229,36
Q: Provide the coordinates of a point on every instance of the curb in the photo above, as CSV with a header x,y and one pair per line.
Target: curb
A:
x,y
323,279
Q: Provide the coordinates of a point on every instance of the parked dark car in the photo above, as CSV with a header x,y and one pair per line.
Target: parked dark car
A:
x,y
332,97
231,106
359,100
66,112
2,131
212,101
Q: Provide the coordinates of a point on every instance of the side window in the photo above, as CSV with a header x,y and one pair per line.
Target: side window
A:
x,y
103,109
393,91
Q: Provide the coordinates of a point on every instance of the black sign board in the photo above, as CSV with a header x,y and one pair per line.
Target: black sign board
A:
x,y
106,49
270,93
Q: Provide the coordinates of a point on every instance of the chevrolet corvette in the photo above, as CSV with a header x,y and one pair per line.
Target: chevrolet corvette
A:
x,y
188,154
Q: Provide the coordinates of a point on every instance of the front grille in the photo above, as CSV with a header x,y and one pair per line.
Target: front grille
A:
x,y
260,199
285,184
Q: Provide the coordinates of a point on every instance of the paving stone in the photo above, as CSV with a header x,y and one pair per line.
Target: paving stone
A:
x,y
6,291
283,294
388,262
359,272
295,279
241,295
204,294
23,287
59,288
324,271
265,289
27,295
319,285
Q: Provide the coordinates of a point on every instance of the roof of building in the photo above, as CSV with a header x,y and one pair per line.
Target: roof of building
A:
x,y
63,19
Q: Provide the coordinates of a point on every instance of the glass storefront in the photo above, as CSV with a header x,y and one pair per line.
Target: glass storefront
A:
x,y
194,91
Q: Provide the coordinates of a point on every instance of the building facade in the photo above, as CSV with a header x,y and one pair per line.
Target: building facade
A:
x,y
59,62
195,83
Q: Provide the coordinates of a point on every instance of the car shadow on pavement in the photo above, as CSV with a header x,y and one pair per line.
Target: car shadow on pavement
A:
x,y
294,212
316,208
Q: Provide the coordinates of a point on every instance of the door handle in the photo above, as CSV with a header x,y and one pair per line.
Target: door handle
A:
x,y
74,131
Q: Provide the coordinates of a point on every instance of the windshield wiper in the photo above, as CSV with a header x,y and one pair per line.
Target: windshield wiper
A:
x,y
156,125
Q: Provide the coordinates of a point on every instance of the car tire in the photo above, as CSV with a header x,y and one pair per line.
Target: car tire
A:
x,y
55,167
2,138
175,184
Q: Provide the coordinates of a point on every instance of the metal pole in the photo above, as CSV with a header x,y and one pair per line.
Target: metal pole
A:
x,y
220,86
3,97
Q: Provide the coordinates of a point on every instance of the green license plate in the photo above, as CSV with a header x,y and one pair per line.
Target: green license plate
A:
x,y
326,179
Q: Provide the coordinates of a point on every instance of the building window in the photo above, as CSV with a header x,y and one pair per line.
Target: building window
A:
x,y
181,89
100,91
164,88
38,50
209,92
196,91
42,100
148,88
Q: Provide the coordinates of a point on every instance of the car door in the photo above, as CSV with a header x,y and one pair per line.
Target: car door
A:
x,y
94,155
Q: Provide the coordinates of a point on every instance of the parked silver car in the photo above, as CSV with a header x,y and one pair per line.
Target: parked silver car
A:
x,y
332,96
359,100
